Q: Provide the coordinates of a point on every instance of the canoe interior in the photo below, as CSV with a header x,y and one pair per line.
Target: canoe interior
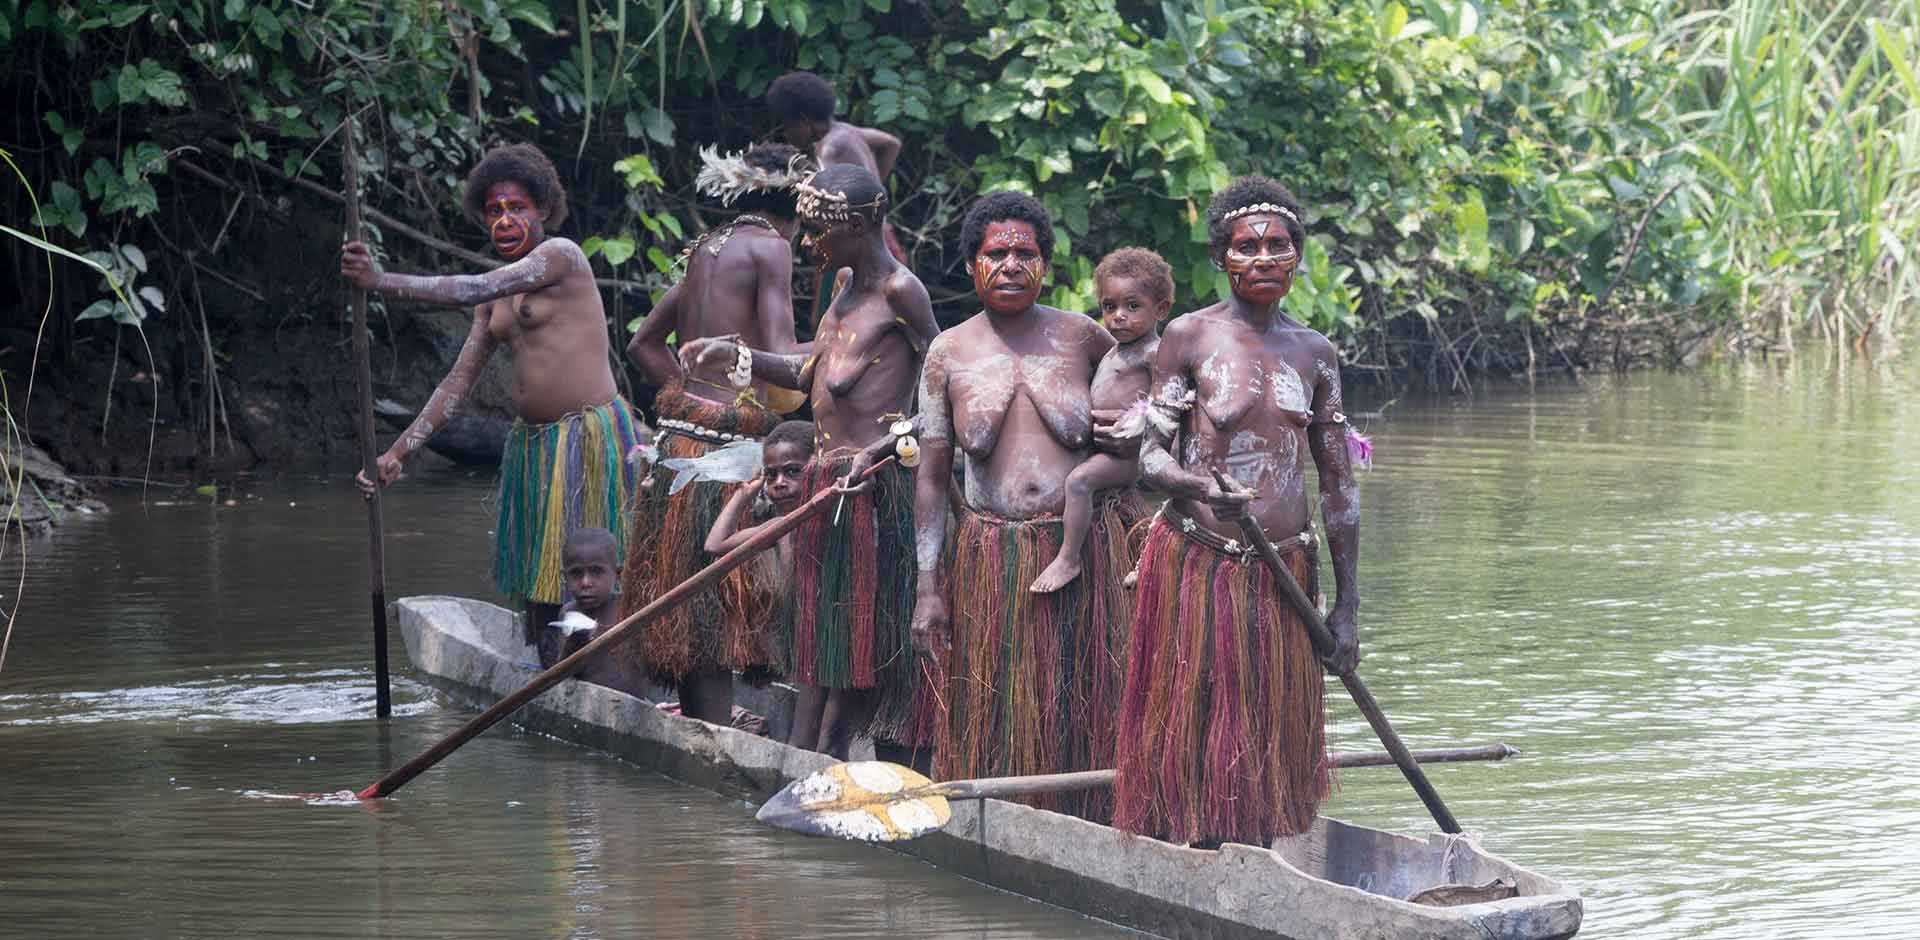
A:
x,y
1339,881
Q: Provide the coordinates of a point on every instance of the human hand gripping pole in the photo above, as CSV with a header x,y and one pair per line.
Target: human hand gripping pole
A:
x,y
1323,643
674,597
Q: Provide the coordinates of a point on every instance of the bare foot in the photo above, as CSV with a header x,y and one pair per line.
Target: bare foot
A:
x,y
1058,575
1132,578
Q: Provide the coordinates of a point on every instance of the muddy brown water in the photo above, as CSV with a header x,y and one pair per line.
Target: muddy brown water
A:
x,y
1692,600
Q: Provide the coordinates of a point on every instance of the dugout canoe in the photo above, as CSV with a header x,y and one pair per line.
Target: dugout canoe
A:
x,y
1338,882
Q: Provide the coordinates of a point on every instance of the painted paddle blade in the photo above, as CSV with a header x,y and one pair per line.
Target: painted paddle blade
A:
x,y
868,801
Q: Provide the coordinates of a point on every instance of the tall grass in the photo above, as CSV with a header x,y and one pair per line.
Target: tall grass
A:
x,y
1806,116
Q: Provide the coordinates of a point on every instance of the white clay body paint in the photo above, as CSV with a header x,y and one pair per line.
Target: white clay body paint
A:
x,y
1288,393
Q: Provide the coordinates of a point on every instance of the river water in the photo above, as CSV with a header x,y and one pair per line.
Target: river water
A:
x,y
1692,600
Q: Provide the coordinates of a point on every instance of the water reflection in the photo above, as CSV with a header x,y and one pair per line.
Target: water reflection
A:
x,y
1692,600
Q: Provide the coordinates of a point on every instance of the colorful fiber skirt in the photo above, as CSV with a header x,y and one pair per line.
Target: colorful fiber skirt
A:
x,y
1222,728
721,628
854,594
1032,684
555,478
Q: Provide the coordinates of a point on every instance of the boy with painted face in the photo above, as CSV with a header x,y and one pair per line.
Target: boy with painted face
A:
x,y
1135,287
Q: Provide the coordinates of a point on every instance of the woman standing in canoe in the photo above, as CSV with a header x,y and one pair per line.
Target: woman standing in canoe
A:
x,y
1222,724
564,465
1032,680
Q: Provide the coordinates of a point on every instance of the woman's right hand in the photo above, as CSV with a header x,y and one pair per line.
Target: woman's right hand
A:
x,y
717,348
389,464
1227,499
932,631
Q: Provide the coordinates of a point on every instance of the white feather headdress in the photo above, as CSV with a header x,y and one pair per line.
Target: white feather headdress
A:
x,y
729,176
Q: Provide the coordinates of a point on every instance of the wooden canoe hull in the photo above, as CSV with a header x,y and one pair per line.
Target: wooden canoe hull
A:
x,y
1340,881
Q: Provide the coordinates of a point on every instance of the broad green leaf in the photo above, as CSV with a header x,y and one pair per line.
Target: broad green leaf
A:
x,y
617,250
1393,19
1470,221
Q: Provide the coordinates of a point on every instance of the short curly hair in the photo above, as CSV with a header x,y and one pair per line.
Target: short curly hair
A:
x,y
773,158
1006,206
1141,264
801,96
523,164
790,432
1246,191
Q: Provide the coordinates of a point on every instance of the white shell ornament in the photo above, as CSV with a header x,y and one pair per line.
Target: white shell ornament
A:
x,y
901,428
907,448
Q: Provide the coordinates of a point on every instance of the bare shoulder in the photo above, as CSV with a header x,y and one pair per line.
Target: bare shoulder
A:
x,y
1188,326
561,248
1312,342
951,344
904,287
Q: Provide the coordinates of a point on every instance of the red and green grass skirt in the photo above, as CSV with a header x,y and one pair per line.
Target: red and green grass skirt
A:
x,y
721,628
854,577
1222,727
1032,684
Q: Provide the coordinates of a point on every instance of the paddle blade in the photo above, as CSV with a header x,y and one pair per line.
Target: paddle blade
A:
x,y
868,801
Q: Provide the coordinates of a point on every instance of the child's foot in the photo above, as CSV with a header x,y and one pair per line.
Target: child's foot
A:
x,y
1058,575
1132,578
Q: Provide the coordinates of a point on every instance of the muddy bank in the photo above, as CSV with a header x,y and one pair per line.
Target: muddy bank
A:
x,y
40,493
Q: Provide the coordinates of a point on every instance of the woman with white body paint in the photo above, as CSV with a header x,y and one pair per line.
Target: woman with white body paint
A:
x,y
1221,733
1031,680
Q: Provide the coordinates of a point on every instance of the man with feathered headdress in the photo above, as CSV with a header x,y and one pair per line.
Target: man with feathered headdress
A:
x,y
737,283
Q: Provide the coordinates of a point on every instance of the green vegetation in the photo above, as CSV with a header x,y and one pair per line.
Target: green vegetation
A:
x,y
1498,185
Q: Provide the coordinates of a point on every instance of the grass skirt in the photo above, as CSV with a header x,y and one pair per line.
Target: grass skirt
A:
x,y
1222,728
1033,682
854,593
555,478
723,627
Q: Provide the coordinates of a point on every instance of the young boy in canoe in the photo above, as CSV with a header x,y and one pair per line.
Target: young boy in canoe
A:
x,y
590,568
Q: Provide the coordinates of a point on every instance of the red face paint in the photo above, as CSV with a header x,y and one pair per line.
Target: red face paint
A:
x,y
1260,258
1008,269
513,220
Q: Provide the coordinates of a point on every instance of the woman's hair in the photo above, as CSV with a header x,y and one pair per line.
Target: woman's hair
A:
x,y
773,158
801,96
1006,206
1245,191
1141,264
523,164
791,432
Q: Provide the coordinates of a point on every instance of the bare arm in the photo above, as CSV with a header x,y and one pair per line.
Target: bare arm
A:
x,y
1170,397
648,349
886,149
474,354
773,265
547,264
1339,506
930,483
913,310
726,534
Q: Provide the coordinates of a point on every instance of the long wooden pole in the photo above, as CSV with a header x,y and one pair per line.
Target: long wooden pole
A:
x,y
679,594
997,787
369,459
1323,642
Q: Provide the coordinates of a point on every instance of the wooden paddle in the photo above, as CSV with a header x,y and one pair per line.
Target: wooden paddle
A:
x,y
369,456
679,594
873,801
1323,642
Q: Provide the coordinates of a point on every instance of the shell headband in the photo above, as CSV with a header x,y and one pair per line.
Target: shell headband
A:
x,y
831,207
1261,207
730,176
